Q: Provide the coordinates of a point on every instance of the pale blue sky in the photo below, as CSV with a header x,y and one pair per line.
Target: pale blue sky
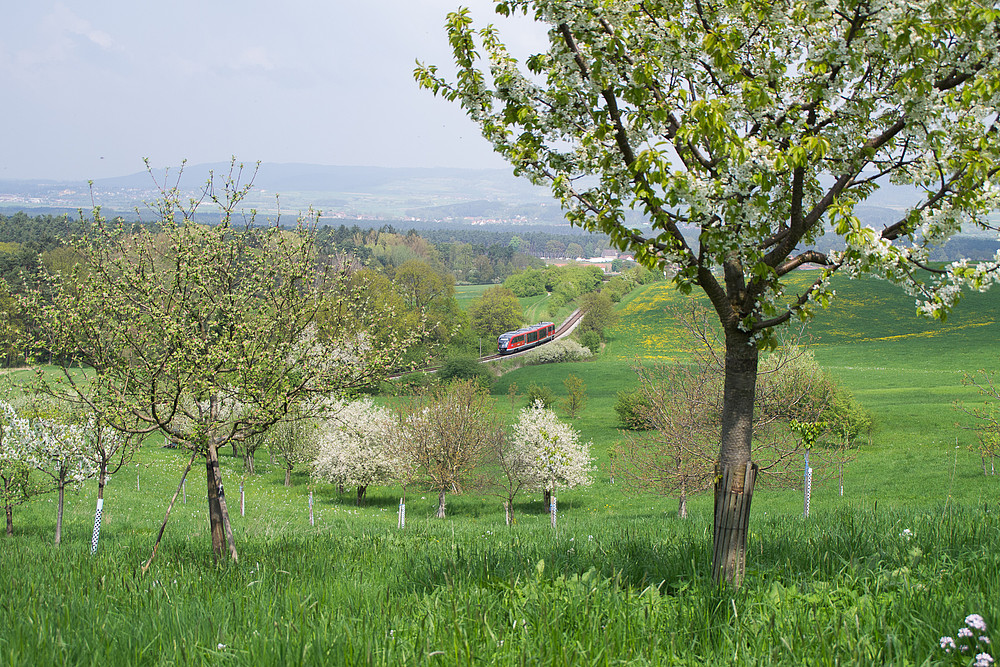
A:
x,y
90,88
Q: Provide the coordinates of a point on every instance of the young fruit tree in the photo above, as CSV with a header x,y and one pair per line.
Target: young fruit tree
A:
x,y
208,334
742,132
451,432
292,441
361,445
555,458
60,451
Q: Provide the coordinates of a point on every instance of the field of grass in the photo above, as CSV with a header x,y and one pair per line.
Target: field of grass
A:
x,y
874,577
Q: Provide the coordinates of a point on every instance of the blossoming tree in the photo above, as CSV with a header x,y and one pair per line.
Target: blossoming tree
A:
x,y
743,131
551,451
60,450
361,445
16,458
210,334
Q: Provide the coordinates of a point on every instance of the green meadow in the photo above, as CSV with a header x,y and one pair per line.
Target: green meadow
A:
x,y
874,577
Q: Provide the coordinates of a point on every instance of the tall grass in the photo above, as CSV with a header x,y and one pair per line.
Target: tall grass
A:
x,y
847,586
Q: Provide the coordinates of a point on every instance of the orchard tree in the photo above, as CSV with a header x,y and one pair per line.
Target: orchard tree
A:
x,y
108,449
552,449
61,452
16,457
677,405
361,444
451,432
293,440
743,132
209,334
986,415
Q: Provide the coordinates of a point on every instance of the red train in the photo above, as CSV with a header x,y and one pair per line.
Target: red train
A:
x,y
522,339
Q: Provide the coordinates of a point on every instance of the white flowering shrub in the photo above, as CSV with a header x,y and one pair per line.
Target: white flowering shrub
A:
x,y
557,351
550,451
360,445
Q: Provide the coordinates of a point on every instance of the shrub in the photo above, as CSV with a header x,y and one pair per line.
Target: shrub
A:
x,y
591,340
540,394
465,368
630,407
561,350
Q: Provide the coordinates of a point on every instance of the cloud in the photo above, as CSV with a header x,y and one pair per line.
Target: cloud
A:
x,y
64,20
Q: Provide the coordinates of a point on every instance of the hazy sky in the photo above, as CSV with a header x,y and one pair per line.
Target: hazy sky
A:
x,y
91,88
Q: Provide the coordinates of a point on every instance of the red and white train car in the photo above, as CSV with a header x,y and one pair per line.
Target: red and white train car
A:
x,y
522,339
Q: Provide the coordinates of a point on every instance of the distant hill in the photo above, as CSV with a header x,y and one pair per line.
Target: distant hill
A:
x,y
336,190
423,198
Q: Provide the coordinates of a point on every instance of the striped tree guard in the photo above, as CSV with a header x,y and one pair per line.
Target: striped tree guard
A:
x,y
97,526
733,492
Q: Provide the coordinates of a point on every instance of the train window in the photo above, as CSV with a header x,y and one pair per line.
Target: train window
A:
x,y
532,336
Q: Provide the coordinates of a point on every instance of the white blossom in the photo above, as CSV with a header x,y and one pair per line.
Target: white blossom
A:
x,y
550,450
360,445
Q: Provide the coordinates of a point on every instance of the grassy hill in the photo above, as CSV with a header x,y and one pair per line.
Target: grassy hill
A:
x,y
875,577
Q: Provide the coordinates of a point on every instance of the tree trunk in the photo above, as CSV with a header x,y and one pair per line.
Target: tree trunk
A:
x,y
736,474
217,510
288,476
214,509
226,525
362,490
248,465
440,513
547,499
682,501
10,519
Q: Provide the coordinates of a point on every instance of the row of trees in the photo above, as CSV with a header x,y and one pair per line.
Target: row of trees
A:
x,y
448,440
208,334
43,448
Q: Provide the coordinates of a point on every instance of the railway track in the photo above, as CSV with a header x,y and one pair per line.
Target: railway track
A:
x,y
562,330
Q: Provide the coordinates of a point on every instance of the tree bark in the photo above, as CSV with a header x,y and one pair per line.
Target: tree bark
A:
x,y
547,499
362,490
288,476
440,512
10,519
226,527
736,474
214,508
